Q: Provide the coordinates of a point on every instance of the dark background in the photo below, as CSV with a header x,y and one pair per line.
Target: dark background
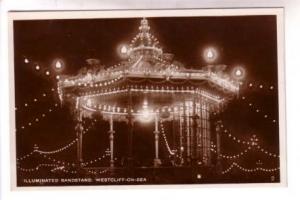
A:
x,y
249,41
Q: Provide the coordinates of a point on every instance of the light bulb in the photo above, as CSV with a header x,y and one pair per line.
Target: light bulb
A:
x,y
238,72
58,65
124,50
210,54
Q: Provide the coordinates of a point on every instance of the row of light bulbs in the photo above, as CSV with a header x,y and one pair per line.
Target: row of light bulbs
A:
x,y
36,148
37,67
36,168
152,89
60,162
95,172
38,119
261,86
87,82
119,110
66,146
34,100
98,159
253,142
63,169
257,110
165,138
235,156
234,164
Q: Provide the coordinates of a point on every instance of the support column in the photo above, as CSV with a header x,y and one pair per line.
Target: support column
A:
x,y
79,132
181,148
208,135
111,140
188,131
129,160
218,138
157,161
200,129
204,133
195,131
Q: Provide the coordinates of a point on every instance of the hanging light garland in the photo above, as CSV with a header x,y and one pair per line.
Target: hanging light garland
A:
x,y
254,142
165,138
257,110
36,148
98,159
63,169
95,172
66,146
260,86
57,161
235,156
36,168
26,156
234,164
35,100
42,116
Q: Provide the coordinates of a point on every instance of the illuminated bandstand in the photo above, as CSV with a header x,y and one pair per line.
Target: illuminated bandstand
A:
x,y
148,86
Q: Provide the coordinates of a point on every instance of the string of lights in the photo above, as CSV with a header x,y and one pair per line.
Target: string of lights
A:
x,y
26,156
148,88
165,138
46,70
35,100
96,172
257,110
63,169
67,145
254,142
60,162
60,149
37,119
261,86
98,159
36,168
251,170
235,156
90,106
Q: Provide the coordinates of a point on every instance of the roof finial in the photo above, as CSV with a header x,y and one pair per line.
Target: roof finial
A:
x,y
144,27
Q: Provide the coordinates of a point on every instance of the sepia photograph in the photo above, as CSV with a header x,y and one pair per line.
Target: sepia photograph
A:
x,y
147,97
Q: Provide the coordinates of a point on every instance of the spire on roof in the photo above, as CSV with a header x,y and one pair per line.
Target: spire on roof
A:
x,y
144,27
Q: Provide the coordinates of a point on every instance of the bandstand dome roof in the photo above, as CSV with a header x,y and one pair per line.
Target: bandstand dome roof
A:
x,y
146,69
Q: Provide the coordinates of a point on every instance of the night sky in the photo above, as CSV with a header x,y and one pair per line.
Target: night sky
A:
x,y
249,41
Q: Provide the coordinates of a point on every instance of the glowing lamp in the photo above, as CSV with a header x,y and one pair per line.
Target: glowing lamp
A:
x,y
210,54
58,65
145,115
124,50
26,60
239,73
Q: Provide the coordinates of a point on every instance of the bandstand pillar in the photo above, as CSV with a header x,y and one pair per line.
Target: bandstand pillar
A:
x,y
157,161
218,138
79,133
111,140
129,159
181,148
187,125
